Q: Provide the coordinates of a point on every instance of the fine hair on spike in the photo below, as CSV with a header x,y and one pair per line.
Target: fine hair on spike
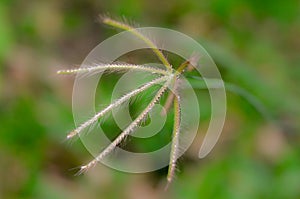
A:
x,y
114,67
175,147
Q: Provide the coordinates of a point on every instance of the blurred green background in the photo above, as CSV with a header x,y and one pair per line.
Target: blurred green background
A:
x,y
256,46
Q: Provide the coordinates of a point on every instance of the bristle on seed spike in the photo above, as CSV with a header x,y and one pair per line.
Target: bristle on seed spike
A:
x,y
71,134
63,72
168,184
83,169
72,71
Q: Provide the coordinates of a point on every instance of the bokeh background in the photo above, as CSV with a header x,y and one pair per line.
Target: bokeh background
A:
x,y
256,46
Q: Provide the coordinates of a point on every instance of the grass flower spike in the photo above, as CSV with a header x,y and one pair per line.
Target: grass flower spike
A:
x,y
168,78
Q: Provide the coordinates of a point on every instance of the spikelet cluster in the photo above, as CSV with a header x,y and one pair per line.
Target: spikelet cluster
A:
x,y
167,77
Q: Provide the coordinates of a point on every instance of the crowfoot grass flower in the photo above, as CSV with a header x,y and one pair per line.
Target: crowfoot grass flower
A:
x,y
168,77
